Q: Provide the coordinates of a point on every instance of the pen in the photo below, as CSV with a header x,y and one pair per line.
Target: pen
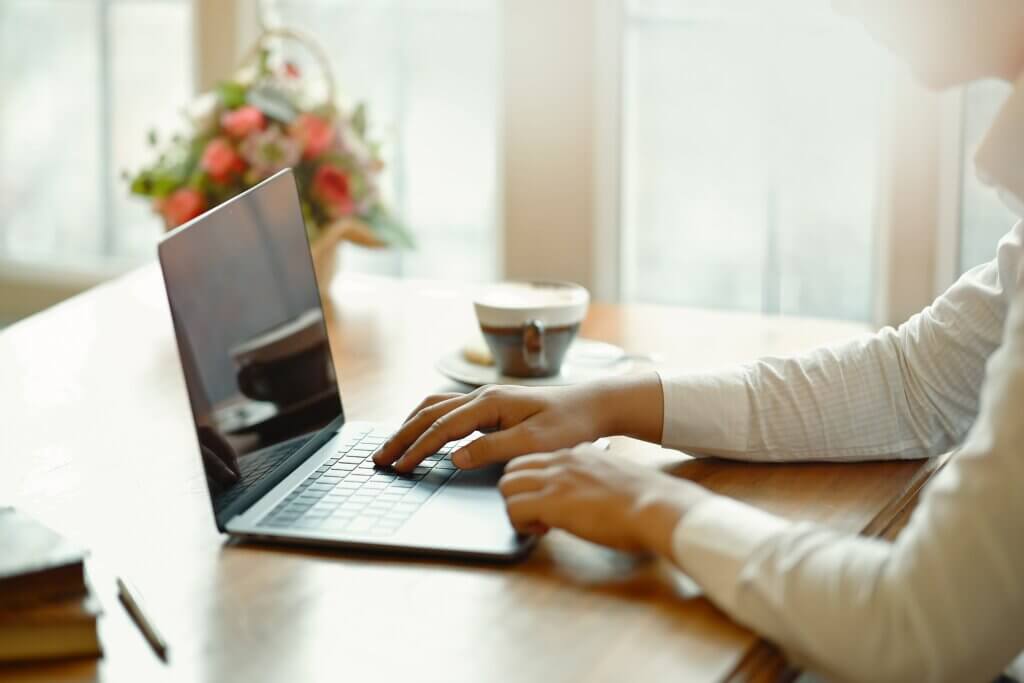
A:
x,y
130,597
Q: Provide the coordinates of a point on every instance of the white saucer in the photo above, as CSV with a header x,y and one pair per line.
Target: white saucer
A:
x,y
586,360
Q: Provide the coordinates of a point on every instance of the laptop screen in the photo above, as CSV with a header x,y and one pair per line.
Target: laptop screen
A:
x,y
251,337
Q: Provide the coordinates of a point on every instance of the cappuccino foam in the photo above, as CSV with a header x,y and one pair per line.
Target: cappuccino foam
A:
x,y
532,295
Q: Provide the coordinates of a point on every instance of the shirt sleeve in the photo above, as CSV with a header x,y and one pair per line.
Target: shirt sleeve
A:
x,y
944,602
907,392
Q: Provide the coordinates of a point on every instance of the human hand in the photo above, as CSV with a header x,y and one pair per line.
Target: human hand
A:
x,y
520,419
219,459
599,497
526,420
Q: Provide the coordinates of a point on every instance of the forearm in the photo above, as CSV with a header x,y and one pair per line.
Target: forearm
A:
x,y
910,392
885,396
629,406
773,409
846,402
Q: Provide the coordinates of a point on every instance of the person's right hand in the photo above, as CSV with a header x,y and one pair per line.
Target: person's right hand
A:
x,y
520,420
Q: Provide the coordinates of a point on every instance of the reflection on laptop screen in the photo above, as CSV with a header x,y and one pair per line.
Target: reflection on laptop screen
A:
x,y
251,337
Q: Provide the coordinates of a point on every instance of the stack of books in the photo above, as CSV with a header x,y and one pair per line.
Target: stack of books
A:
x,y
46,608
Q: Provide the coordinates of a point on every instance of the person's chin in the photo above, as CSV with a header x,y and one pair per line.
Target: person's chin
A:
x,y
938,79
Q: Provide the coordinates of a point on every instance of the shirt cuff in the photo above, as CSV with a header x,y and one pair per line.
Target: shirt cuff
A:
x,y
716,538
706,412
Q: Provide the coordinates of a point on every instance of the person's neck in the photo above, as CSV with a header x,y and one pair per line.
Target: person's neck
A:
x,y
1014,71
997,161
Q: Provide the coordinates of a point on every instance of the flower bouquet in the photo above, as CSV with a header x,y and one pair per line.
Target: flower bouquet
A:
x,y
260,122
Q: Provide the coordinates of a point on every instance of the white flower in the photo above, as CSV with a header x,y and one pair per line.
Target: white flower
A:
x,y
268,151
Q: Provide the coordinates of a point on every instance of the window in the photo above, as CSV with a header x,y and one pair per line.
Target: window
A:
x,y
983,217
428,73
79,106
83,82
718,153
751,157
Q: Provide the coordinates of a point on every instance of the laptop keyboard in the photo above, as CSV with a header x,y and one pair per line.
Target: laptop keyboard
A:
x,y
255,465
348,494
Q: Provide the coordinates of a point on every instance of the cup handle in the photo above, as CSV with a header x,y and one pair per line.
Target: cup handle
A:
x,y
533,345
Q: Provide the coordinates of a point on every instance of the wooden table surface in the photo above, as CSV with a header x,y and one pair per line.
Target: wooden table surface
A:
x,y
96,439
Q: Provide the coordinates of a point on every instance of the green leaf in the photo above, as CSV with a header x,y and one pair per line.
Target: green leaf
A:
x,y
141,185
312,228
231,94
359,120
390,230
164,185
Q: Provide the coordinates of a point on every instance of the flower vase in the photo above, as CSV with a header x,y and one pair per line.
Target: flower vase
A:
x,y
326,246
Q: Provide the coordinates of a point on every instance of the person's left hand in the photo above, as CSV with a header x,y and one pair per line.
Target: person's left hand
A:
x,y
220,461
599,497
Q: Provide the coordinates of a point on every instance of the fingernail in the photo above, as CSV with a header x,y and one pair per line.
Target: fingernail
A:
x,y
460,458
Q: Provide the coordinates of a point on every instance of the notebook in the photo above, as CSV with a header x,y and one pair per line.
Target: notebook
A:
x,y
46,610
64,628
37,564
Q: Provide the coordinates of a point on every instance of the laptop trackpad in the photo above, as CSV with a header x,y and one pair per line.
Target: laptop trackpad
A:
x,y
484,476
468,512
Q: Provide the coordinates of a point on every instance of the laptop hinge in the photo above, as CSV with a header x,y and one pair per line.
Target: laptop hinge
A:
x,y
278,474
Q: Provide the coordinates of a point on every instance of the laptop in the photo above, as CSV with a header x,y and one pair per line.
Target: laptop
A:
x,y
282,462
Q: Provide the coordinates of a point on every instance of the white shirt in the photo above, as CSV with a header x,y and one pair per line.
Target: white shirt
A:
x,y
945,600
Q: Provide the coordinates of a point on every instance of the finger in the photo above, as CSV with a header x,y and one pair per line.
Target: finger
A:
x,y
536,529
230,461
409,432
429,401
500,446
460,422
527,511
218,444
534,461
216,468
523,481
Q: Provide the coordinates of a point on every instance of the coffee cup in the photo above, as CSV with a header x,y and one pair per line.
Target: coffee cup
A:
x,y
529,326
286,364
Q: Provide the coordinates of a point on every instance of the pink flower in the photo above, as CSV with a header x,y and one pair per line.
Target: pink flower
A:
x,y
330,184
220,160
242,121
269,151
181,206
314,132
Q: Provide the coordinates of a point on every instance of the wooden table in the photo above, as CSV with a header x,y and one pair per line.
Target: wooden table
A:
x,y
96,440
